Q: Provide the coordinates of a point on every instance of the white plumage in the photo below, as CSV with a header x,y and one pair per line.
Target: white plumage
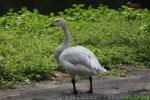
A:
x,y
76,60
80,61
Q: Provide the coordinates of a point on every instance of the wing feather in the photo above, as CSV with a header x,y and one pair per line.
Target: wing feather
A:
x,y
80,56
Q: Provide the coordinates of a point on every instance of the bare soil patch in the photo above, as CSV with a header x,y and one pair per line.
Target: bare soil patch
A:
x,y
108,88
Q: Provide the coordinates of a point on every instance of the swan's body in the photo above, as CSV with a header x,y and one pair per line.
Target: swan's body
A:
x,y
76,60
80,61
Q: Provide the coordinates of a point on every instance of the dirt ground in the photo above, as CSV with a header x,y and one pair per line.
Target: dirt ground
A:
x,y
107,88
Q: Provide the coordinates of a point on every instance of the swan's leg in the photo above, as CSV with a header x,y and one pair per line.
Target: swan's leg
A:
x,y
91,87
74,85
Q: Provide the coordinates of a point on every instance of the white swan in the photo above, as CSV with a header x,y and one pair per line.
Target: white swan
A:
x,y
76,60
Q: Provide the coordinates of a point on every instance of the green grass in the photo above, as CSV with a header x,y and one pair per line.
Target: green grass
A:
x,y
115,36
137,97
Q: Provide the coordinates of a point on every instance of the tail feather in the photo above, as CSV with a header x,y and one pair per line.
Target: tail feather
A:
x,y
96,66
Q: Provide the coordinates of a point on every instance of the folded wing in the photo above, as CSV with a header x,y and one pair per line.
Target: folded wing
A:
x,y
81,60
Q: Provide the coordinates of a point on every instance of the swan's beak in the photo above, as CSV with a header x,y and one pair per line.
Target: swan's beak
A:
x,y
51,25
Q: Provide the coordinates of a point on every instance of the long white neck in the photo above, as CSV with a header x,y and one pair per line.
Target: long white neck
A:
x,y
66,44
67,37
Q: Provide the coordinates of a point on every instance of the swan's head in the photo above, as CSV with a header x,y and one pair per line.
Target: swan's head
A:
x,y
60,22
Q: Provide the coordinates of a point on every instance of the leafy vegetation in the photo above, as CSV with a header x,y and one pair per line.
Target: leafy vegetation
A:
x,y
137,97
115,36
